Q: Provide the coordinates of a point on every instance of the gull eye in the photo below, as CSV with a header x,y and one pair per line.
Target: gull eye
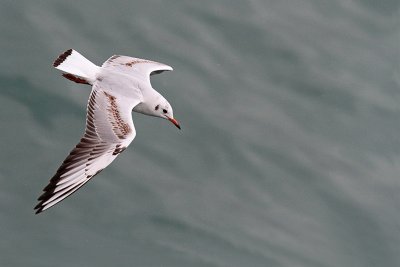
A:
x,y
164,111
156,108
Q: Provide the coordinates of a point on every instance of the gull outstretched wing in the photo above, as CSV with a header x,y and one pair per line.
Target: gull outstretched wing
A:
x,y
109,130
139,68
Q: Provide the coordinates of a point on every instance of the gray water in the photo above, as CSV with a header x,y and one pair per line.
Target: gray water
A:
x,y
289,153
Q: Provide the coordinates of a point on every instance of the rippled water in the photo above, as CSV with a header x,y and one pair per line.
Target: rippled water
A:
x,y
289,153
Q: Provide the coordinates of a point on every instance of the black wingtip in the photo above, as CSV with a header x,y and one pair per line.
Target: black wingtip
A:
x,y
47,192
38,208
62,57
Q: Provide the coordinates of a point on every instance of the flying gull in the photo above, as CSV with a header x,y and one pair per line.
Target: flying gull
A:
x,y
120,85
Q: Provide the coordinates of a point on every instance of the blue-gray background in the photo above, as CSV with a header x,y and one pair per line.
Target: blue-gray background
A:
x,y
289,153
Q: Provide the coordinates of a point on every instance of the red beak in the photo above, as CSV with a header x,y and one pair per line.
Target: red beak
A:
x,y
175,122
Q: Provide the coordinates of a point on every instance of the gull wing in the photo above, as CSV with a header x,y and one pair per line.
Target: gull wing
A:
x,y
139,68
109,130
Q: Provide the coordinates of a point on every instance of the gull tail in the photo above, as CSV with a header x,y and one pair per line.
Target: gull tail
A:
x,y
76,67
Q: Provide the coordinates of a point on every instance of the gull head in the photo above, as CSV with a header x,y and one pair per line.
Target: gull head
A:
x,y
158,107
164,110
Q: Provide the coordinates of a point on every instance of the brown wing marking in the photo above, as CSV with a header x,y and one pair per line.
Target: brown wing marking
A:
x,y
75,78
119,126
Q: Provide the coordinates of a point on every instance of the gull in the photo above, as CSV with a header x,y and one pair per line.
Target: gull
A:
x,y
120,85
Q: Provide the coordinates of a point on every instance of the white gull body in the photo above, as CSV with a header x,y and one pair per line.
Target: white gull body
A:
x,y
120,85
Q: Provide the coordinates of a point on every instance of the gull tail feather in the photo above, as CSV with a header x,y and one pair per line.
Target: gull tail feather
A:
x,y
76,67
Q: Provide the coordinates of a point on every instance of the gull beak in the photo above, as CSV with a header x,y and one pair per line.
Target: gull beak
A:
x,y
175,122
